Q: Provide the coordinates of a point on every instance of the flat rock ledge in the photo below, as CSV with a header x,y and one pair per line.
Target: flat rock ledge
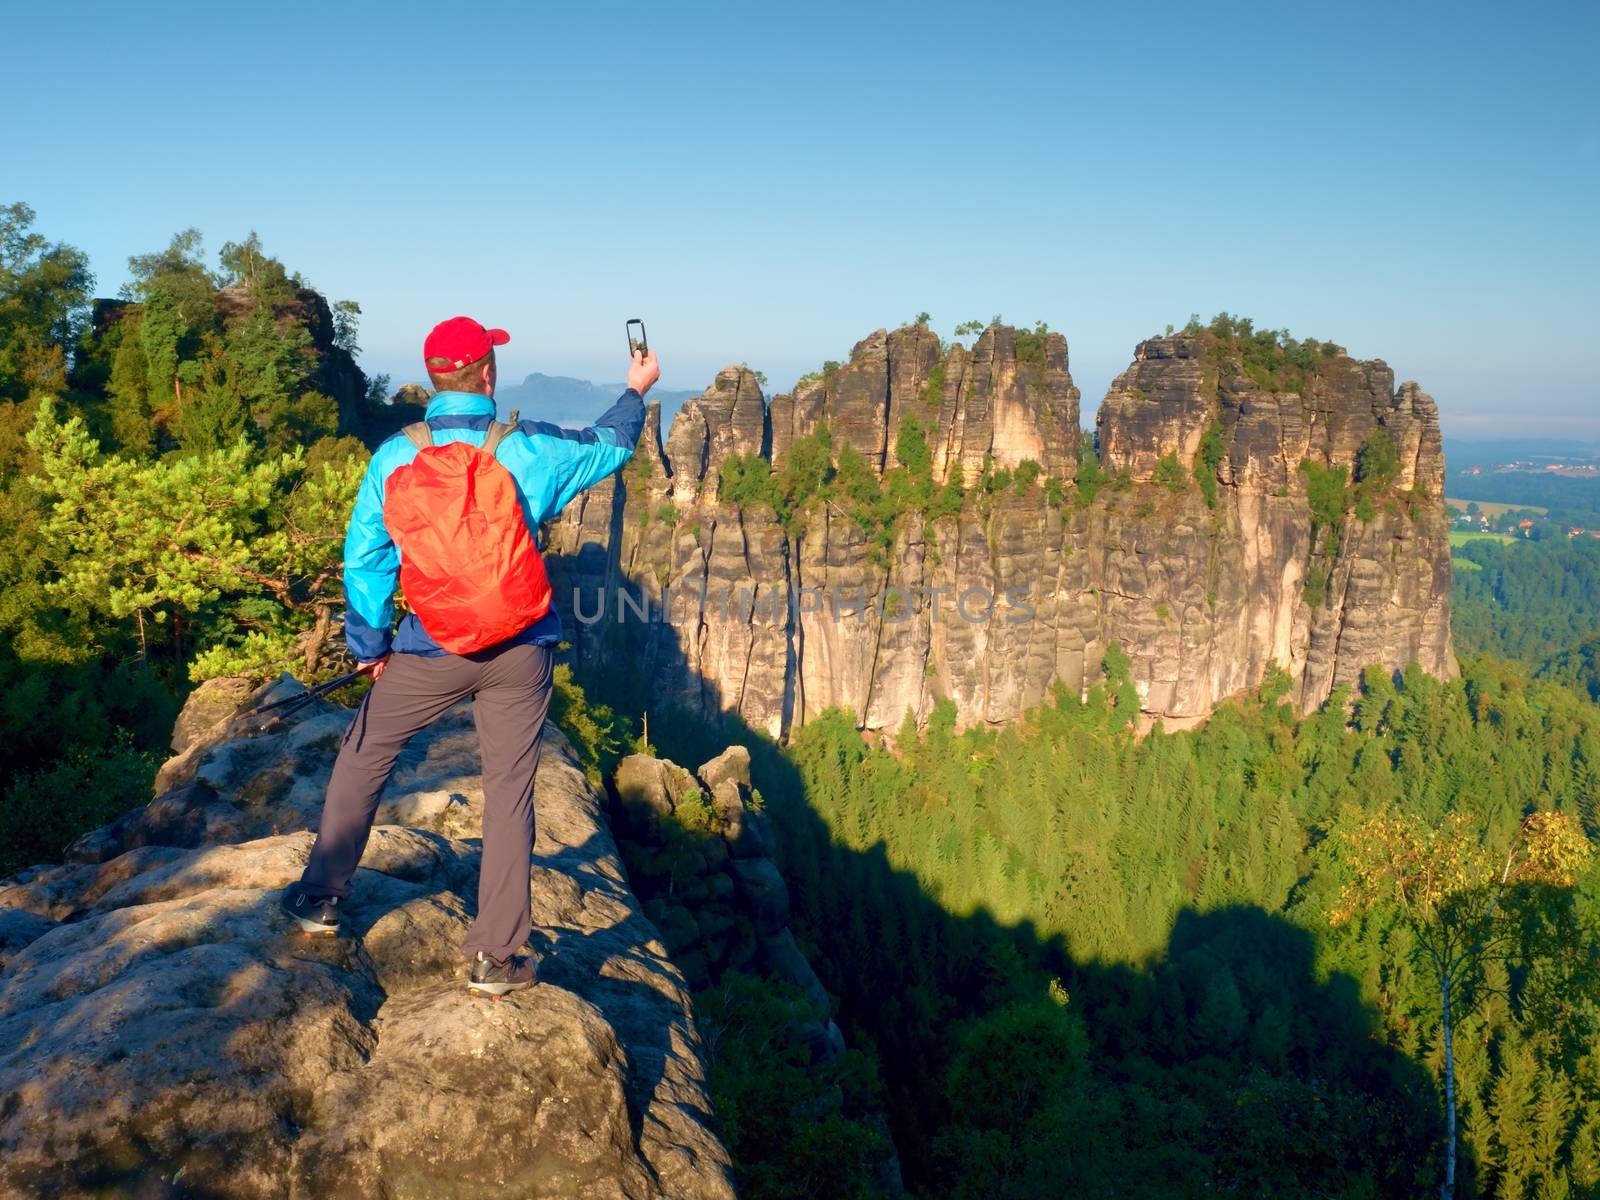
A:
x,y
164,1033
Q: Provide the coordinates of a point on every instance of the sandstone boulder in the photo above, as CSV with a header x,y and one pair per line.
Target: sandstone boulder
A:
x,y
163,1033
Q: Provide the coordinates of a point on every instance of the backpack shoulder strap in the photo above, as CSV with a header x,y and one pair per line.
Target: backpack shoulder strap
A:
x,y
498,432
420,434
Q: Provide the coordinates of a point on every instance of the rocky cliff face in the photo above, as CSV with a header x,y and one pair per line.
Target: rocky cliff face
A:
x,y
163,1033
876,598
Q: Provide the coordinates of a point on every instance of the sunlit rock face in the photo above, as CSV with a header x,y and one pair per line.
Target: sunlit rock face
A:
x,y
158,1015
1020,589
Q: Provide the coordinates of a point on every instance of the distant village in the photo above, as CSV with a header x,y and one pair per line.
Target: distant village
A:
x,y
1587,470
1574,508
1470,516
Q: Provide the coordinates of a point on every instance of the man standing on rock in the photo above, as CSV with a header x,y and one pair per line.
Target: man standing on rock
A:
x,y
448,508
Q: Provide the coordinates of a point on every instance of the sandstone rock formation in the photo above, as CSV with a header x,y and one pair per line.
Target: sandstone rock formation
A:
x,y
162,1032
699,851
718,607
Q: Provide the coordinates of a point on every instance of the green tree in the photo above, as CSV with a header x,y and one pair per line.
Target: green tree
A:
x,y
1458,894
243,551
247,265
44,294
1208,460
180,273
1169,473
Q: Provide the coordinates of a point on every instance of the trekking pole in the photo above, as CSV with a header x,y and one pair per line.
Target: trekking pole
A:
x,y
293,704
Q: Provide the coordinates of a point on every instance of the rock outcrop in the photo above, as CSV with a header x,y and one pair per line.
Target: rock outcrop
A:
x,y
162,1033
1206,577
699,852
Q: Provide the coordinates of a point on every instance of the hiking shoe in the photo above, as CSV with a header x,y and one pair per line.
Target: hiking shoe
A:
x,y
497,976
315,916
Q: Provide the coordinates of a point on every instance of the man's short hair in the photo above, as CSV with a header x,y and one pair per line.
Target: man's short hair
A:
x,y
468,379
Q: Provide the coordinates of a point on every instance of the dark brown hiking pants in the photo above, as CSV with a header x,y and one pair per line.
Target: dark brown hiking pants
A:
x,y
511,691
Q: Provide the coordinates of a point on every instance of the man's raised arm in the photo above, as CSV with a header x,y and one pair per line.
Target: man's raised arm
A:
x,y
581,458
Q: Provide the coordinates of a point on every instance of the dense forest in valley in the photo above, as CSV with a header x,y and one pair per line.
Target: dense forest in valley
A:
x,y
1537,602
1067,959
1574,496
1085,962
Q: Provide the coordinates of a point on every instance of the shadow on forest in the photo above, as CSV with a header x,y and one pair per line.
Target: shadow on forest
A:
x,y
1223,1064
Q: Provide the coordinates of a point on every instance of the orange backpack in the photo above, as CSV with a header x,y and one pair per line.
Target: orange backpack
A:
x,y
468,563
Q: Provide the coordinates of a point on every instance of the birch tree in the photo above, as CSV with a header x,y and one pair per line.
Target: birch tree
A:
x,y
1457,892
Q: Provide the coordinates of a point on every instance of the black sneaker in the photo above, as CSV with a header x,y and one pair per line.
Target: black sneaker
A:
x,y
496,977
319,916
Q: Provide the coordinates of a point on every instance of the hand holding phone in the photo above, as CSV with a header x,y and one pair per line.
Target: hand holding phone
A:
x,y
643,370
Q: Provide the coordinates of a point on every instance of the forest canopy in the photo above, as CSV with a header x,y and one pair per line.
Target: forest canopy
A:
x,y
177,466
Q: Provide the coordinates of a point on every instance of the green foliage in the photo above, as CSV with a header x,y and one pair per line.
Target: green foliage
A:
x,y
173,494
994,480
1208,460
803,476
1030,347
745,480
1328,498
600,736
1272,359
86,786
640,469
196,538
1027,473
796,1130
1578,667
813,472
947,500
1571,498
969,329
1378,461
1532,602
1169,473
911,449
1091,475
933,388
1222,1035
693,812
1377,467
247,265
44,294
1014,1085
1315,592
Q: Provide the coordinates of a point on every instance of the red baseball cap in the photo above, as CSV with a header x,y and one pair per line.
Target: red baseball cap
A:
x,y
462,341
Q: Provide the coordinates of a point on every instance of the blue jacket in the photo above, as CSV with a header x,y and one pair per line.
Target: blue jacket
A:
x,y
551,465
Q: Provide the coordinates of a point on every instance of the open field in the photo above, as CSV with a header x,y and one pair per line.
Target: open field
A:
x,y
1464,564
1493,510
1460,537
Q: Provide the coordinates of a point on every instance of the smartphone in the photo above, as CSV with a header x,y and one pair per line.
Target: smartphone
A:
x,y
639,343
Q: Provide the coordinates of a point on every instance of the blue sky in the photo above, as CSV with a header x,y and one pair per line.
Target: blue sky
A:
x,y
769,183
